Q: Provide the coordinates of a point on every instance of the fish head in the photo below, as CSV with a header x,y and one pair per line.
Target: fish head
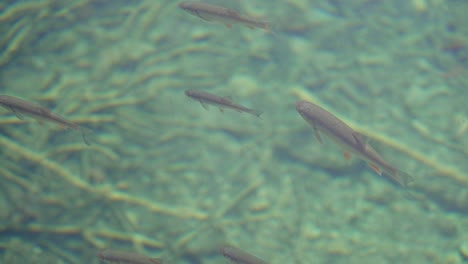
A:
x,y
188,6
189,93
301,106
310,111
306,110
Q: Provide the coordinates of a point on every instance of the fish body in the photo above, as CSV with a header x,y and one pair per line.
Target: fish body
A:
x,y
221,14
22,107
126,257
239,256
323,121
222,102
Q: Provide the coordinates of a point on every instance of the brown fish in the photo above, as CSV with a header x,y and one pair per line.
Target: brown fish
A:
x,y
221,14
239,256
126,257
22,107
222,102
323,121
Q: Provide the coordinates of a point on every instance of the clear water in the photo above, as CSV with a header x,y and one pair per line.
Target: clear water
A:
x,y
166,178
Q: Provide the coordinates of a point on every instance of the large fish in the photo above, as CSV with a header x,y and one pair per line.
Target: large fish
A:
x,y
222,15
323,121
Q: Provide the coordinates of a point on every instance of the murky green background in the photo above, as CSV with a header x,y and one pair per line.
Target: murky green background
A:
x,y
166,178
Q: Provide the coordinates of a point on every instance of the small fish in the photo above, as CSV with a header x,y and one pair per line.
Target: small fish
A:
x,y
126,257
222,102
22,107
239,256
323,121
221,14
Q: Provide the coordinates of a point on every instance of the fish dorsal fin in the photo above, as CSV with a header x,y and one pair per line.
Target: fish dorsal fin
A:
x,y
360,141
316,133
232,13
198,14
228,97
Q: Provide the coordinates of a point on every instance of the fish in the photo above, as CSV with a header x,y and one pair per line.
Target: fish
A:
x,y
126,257
239,256
206,99
221,14
22,107
351,141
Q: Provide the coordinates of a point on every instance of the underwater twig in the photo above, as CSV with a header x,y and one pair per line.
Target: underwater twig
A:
x,y
424,132
91,235
20,9
76,147
184,240
104,192
24,184
241,196
15,44
8,36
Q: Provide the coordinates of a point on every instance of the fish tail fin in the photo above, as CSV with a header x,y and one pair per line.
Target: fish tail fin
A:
x,y
257,113
410,187
404,179
400,177
271,29
85,132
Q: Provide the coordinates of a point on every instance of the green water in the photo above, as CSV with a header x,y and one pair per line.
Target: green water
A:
x,y
168,179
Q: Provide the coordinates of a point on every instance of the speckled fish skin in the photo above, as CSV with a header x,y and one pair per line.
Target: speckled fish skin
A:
x,y
222,102
221,14
323,121
20,106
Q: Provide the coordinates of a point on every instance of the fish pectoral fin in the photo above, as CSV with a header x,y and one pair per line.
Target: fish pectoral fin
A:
x,y
317,134
228,26
17,114
221,110
375,168
204,105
